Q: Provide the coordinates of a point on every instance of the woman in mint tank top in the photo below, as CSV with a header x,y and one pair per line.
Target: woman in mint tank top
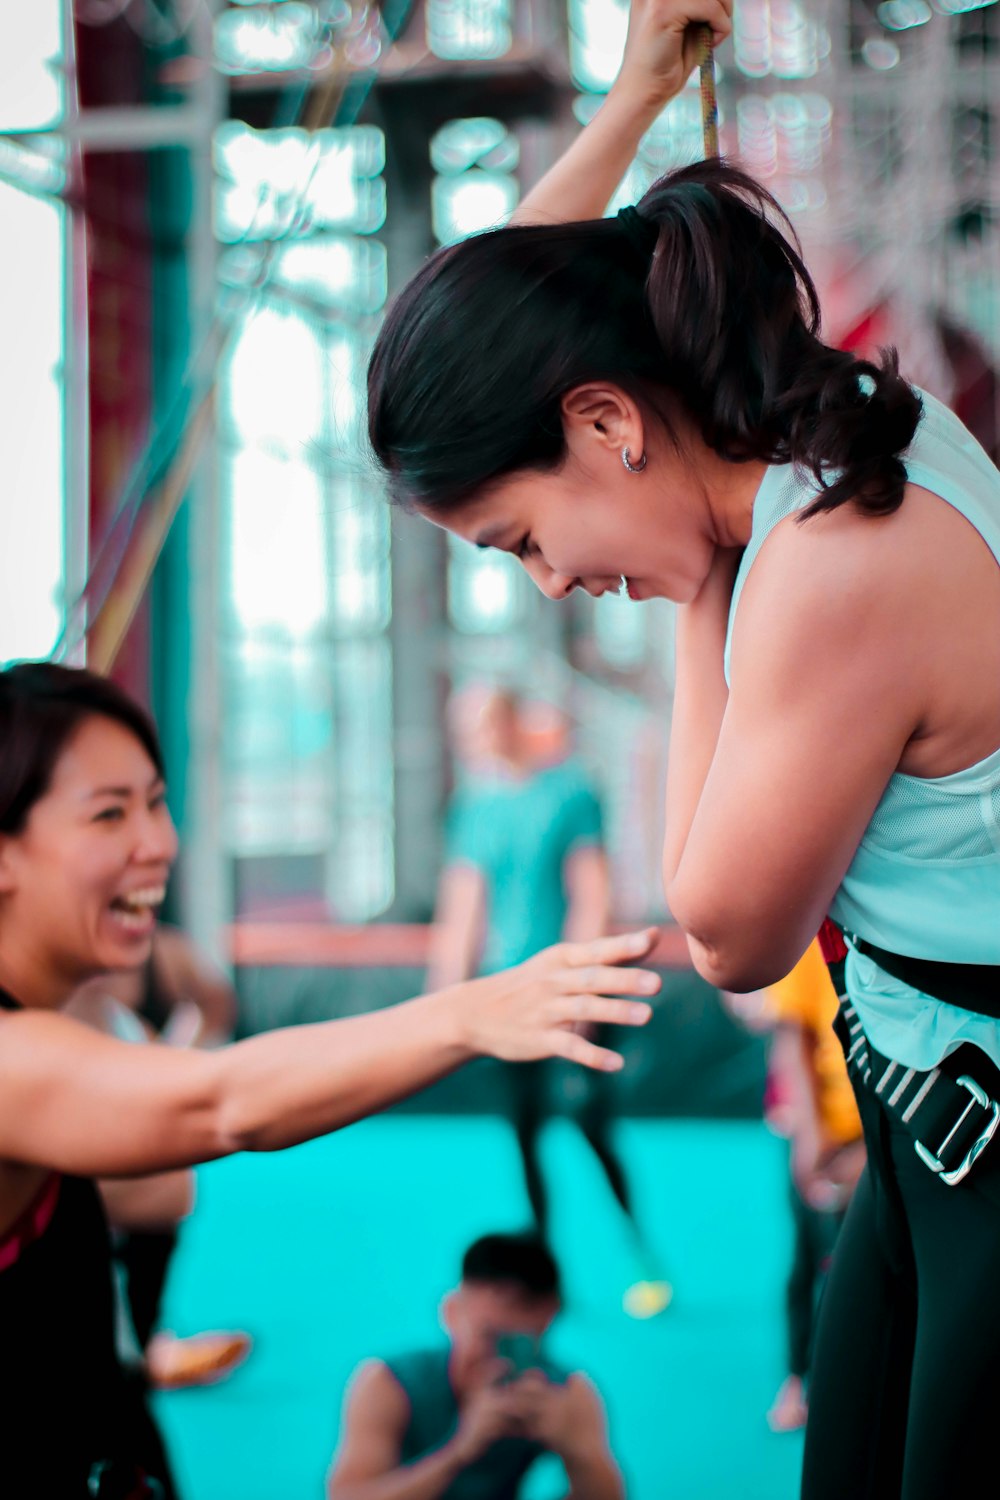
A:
x,y
646,401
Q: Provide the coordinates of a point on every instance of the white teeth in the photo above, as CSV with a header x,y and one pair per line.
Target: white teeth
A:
x,y
132,921
141,901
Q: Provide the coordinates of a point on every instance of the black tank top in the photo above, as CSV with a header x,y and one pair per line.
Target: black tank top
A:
x,y
156,1003
69,1410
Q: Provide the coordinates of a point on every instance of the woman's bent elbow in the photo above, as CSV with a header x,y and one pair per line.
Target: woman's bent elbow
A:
x,y
725,952
736,972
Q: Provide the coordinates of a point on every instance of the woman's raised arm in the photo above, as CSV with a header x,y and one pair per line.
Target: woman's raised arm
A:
x,y
83,1103
660,54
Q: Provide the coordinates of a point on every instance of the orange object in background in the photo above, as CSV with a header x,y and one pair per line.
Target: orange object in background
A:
x,y
806,997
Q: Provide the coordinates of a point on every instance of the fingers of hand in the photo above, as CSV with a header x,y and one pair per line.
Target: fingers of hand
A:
x,y
528,1394
583,1028
593,1009
497,1408
535,1385
598,979
688,11
518,1406
715,13
576,1049
495,1372
610,950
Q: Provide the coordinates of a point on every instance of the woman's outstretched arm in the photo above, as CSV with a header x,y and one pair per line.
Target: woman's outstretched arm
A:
x,y
660,54
80,1102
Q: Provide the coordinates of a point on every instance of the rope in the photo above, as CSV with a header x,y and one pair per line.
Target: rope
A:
x,y
709,99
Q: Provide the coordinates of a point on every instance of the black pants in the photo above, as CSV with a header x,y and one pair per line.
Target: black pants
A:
x,y
145,1257
815,1237
530,1110
148,1441
906,1380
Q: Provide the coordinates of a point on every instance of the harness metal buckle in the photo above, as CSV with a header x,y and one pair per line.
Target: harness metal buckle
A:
x,y
980,1097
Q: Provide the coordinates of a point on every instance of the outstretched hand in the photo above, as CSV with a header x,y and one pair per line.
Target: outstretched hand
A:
x,y
531,1011
662,46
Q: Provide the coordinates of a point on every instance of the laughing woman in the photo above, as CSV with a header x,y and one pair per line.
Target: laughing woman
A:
x,y
647,398
86,847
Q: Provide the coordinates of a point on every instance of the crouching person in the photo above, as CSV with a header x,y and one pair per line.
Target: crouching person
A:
x,y
467,1420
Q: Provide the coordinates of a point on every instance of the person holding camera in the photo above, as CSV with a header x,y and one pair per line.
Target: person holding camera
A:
x,y
468,1419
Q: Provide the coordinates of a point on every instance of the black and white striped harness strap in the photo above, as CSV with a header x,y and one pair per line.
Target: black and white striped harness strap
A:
x,y
952,1119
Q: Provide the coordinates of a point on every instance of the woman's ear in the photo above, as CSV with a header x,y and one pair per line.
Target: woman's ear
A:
x,y
602,414
6,873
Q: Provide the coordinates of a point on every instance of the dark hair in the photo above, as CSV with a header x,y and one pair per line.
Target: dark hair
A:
x,y
468,371
41,707
521,1260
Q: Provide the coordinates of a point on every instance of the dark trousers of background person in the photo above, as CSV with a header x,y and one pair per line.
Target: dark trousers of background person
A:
x,y
905,1386
529,1108
144,1256
815,1235
148,1444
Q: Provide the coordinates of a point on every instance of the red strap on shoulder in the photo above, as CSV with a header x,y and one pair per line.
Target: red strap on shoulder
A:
x,y
32,1223
831,943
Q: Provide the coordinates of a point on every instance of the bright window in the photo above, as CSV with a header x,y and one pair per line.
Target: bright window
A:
x,y
469,29
308,668
32,314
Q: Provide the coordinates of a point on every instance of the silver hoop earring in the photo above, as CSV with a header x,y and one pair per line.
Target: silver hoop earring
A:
x,y
633,468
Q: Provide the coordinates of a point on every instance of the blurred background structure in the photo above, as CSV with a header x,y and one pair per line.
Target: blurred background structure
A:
x,y
206,207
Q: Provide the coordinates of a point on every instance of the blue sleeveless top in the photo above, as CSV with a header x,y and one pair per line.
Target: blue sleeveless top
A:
x,y
925,880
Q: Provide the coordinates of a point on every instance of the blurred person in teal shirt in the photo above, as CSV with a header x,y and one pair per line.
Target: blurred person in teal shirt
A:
x,y
525,867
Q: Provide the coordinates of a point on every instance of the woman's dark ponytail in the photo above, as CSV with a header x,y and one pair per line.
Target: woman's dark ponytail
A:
x,y
737,316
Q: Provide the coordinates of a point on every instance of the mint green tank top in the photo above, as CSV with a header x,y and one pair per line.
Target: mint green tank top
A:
x,y
925,880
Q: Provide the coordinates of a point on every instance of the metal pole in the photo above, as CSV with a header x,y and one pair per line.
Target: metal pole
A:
x,y
418,562
205,900
124,127
75,361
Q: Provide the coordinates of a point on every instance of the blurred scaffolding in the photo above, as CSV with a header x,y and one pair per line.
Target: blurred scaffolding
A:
x,y
207,206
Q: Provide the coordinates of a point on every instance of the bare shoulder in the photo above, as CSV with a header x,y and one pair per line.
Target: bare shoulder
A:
x,y
375,1391
900,612
817,593
38,1049
862,576
23,1031
374,1420
585,1393
924,538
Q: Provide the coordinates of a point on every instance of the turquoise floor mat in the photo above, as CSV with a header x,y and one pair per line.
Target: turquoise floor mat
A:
x,y
342,1248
